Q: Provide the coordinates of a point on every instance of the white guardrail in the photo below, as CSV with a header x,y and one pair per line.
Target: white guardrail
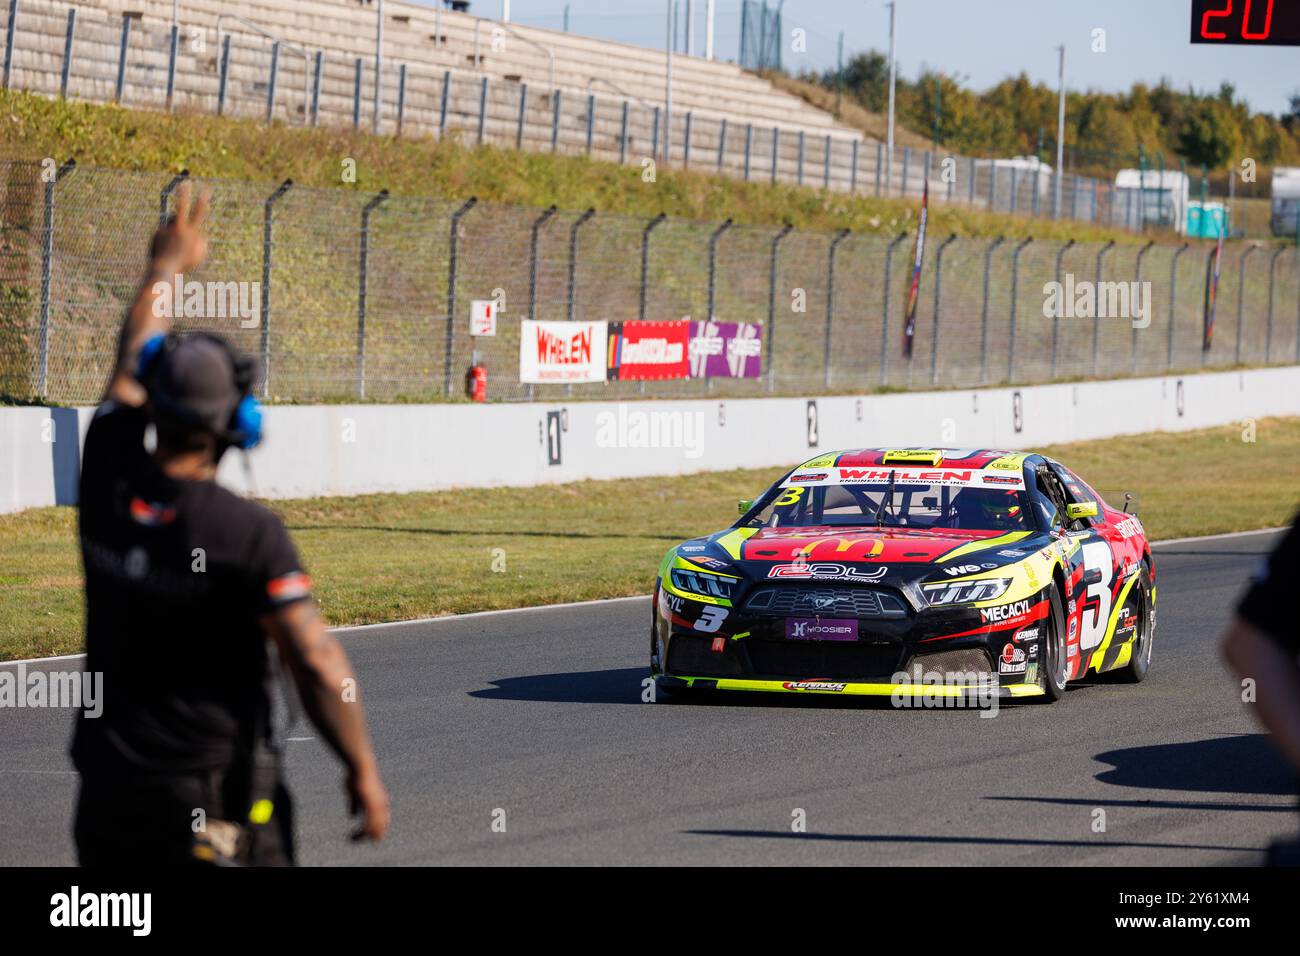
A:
x,y
321,450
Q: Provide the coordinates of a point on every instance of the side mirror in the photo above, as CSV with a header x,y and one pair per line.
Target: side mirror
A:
x,y
743,506
1084,509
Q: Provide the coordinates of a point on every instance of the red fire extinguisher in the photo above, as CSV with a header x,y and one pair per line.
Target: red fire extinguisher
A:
x,y
476,382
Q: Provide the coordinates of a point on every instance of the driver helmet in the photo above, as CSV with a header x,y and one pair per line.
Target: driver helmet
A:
x,y
1001,509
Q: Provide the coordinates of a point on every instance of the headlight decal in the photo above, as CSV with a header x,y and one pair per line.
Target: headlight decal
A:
x,y
965,592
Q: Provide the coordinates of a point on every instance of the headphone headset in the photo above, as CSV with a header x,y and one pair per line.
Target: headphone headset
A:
x,y
244,430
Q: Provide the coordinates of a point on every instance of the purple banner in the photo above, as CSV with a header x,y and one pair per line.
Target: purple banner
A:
x,y
726,350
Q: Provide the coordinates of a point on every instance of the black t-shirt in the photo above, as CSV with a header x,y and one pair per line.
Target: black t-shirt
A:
x,y
1269,604
177,574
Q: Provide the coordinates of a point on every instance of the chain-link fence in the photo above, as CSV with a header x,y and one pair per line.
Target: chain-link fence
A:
x,y
346,295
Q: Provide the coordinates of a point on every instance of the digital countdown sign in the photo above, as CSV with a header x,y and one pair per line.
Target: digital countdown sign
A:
x,y
1246,22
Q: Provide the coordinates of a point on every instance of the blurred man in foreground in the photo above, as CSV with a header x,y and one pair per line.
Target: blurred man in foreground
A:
x,y
185,584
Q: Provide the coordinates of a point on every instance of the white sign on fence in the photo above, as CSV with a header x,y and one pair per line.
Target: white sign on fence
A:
x,y
552,352
482,317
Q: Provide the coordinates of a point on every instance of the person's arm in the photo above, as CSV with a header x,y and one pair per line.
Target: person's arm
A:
x,y
177,248
1255,655
327,686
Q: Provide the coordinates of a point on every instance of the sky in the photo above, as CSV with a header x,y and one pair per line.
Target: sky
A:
x,y
980,41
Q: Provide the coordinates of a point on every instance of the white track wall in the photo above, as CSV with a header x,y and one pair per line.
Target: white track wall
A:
x,y
362,449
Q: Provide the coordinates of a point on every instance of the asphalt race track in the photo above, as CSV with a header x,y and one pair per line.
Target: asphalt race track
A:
x,y
539,714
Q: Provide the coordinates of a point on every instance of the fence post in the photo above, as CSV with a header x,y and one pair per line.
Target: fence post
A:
x,y
654,136
573,259
713,264
270,86
442,107
67,57
1015,286
555,120
686,143
540,221
401,98
9,41
776,150
121,60
1241,297
826,170
1138,277
722,142
1272,282
880,159
591,123
853,169
1096,321
47,272
907,162
971,168
224,80
363,287
173,45
798,178
1173,300
268,220
356,94
984,311
749,148
771,305
1015,188
645,261
453,252
1056,319
166,194
938,290
830,302
317,67
622,134
884,305
482,109
523,113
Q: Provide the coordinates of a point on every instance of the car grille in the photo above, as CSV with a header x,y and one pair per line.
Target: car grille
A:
x,y
837,662
969,660
807,601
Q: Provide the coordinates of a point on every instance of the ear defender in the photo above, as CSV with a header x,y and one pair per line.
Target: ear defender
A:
x,y
148,357
246,423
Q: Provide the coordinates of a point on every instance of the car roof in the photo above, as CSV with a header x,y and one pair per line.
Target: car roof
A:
x,y
922,455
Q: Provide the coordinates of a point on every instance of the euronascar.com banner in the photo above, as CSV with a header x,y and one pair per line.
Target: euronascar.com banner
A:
x,y
552,352
648,350
726,350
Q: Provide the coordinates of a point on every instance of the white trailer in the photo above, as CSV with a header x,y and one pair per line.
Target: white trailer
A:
x,y
1286,200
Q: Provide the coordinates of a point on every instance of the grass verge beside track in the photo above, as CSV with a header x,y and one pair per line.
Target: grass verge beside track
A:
x,y
389,557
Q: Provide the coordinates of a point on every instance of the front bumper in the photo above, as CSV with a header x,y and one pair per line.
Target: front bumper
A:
x,y
844,689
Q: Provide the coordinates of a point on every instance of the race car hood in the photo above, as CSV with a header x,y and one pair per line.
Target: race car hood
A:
x,y
866,555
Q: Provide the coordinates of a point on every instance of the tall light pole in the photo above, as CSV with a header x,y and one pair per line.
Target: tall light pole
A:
x,y
668,87
379,60
1060,138
505,11
690,28
889,164
708,29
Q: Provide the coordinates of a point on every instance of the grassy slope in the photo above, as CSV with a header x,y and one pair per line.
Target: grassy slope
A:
x,y
33,127
386,557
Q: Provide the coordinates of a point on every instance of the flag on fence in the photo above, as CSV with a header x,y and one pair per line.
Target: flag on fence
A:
x,y
1212,293
909,321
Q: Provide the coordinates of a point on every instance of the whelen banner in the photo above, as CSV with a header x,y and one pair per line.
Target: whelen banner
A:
x,y
726,350
648,350
551,352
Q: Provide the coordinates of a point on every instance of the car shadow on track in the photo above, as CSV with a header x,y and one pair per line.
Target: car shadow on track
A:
x,y
1237,763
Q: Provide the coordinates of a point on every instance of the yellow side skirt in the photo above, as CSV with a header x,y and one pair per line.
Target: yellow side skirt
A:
x,y
860,690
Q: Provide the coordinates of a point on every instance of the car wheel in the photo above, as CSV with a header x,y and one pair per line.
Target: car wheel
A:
x,y
1051,653
1139,662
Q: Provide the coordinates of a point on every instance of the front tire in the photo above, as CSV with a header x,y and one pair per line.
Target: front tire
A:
x,y
1052,653
1139,662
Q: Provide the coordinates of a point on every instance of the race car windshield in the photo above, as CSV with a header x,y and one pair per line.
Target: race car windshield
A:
x,y
910,506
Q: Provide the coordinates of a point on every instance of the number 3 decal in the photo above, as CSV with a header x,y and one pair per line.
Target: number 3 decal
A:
x,y
791,496
711,620
1096,557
